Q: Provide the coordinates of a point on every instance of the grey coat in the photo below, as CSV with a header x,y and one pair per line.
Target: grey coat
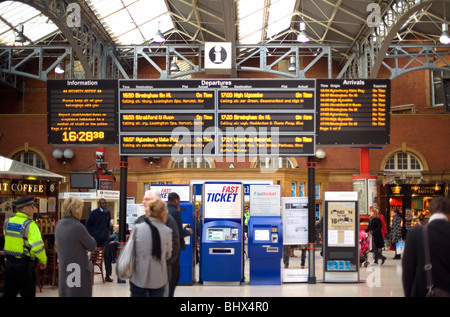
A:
x,y
75,269
150,272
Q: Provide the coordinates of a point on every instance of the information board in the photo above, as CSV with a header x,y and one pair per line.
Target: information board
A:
x,y
353,111
217,117
82,112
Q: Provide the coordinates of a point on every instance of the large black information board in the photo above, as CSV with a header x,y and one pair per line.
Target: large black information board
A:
x,y
217,117
353,111
82,112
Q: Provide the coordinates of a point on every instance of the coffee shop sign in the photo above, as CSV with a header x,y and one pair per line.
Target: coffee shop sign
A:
x,y
18,187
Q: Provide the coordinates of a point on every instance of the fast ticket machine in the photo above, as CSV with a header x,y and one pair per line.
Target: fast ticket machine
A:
x,y
222,252
265,236
221,245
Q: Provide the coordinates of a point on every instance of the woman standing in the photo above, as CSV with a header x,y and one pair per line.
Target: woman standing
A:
x,y
73,242
153,247
396,231
375,227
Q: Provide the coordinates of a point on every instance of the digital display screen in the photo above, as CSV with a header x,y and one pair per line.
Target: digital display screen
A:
x,y
217,117
216,234
82,112
353,111
82,180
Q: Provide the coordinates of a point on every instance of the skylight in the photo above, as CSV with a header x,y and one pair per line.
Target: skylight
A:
x,y
132,21
36,25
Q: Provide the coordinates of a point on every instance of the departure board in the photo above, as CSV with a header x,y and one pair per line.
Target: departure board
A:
x,y
82,112
217,117
353,112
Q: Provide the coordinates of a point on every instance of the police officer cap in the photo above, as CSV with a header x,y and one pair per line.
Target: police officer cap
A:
x,y
24,201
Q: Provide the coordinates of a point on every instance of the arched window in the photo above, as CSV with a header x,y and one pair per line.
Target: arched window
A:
x,y
404,165
31,158
274,162
191,162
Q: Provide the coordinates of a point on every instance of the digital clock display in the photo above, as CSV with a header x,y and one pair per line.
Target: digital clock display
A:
x,y
82,111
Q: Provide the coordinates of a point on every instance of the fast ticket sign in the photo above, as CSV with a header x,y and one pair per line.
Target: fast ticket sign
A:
x,y
223,200
184,191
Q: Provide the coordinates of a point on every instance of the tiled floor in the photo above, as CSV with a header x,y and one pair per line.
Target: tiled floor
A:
x,y
383,281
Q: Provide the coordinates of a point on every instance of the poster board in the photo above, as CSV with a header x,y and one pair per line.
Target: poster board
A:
x,y
295,220
184,191
341,237
265,200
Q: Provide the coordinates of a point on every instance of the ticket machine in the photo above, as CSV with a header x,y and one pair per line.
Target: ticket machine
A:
x,y
222,252
187,256
265,250
221,239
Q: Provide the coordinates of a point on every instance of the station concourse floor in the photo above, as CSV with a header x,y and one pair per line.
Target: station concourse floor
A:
x,y
386,284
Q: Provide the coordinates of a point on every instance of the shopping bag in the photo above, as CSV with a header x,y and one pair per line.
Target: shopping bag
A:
x,y
399,247
127,257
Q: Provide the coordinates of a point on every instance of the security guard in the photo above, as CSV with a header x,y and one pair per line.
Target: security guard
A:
x,y
23,245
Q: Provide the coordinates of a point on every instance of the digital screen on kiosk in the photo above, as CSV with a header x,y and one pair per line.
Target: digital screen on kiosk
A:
x,y
216,234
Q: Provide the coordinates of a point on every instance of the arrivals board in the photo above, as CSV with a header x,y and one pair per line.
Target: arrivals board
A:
x,y
217,117
353,111
82,112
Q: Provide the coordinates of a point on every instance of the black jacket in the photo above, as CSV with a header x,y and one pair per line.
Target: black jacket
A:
x,y
413,275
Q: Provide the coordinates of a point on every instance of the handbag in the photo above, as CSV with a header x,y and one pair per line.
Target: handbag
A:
x,y
432,290
127,257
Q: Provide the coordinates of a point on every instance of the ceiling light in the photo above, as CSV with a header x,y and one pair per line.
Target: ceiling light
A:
x,y
159,37
20,37
303,37
292,66
174,67
445,38
59,69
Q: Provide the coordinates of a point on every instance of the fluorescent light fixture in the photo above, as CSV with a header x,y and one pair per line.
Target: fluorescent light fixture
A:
x,y
303,37
445,38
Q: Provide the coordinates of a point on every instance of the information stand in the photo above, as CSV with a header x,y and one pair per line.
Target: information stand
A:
x,y
341,237
265,239
221,244
295,232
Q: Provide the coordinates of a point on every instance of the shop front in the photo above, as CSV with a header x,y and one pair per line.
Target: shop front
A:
x,y
412,200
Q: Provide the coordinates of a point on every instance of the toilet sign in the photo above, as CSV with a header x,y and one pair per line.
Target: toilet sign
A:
x,y
218,56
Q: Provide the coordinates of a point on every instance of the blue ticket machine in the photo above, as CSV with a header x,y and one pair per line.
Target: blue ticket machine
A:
x,y
187,256
221,252
265,250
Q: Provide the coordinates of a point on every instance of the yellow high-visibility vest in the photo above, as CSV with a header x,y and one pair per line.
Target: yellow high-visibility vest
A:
x,y
23,238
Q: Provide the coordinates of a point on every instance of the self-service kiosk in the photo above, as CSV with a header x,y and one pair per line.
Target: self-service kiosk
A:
x,y
222,252
221,239
265,236
187,256
265,250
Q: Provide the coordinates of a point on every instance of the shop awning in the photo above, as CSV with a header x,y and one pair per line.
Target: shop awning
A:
x,y
13,169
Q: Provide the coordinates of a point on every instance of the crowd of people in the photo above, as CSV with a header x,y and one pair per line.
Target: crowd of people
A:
x,y
159,236
159,239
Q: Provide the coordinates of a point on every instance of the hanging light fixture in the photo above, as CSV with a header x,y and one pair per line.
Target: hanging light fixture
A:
x,y
445,38
59,69
20,37
174,67
292,65
159,37
303,37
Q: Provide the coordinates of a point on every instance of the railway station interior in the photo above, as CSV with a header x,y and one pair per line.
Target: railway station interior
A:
x,y
321,54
